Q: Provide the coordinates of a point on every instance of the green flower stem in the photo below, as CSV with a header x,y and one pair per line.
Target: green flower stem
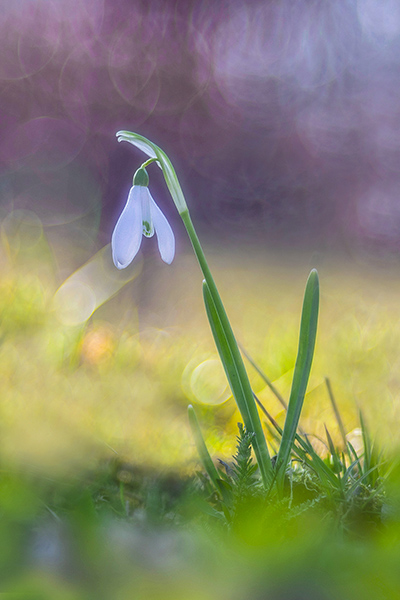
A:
x,y
148,162
235,370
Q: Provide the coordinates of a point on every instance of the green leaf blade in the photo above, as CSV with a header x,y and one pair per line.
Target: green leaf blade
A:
x,y
239,383
308,334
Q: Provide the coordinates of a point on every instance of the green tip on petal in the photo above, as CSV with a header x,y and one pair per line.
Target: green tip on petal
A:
x,y
141,177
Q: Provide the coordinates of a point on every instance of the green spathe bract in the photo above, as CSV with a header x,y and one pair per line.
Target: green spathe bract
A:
x,y
141,177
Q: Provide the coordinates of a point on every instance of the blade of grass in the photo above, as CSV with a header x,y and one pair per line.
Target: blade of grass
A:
x,y
370,454
353,451
316,463
337,465
337,413
264,377
205,457
364,479
269,383
349,471
308,333
207,462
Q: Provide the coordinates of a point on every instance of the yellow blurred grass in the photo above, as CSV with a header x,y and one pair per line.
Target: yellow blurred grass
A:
x,y
119,383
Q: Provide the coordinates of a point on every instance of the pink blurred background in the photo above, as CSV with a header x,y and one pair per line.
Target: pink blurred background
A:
x,y
282,117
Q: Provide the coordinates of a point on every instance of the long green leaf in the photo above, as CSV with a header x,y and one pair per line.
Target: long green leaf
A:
x,y
238,381
308,333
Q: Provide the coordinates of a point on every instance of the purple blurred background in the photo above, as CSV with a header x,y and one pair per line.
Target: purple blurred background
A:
x,y
282,118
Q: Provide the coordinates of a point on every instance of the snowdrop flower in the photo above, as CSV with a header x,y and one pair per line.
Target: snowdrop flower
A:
x,y
141,216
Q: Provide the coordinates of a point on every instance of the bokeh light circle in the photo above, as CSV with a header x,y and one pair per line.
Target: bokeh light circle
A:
x,y
208,383
29,37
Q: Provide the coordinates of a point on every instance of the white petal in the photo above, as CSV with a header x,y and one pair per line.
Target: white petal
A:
x,y
127,234
165,236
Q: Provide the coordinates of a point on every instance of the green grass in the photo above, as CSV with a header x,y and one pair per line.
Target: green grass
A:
x,y
102,494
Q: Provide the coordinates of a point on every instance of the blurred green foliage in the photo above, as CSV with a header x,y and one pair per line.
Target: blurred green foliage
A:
x,y
83,538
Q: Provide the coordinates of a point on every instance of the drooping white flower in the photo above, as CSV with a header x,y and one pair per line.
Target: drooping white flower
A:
x,y
141,216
